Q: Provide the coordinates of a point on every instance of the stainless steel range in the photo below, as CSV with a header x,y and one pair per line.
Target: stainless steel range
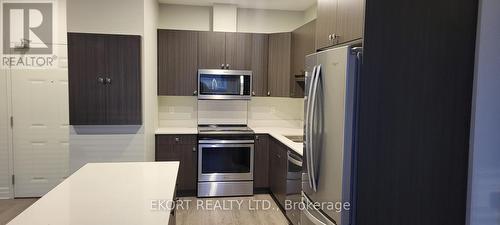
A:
x,y
225,160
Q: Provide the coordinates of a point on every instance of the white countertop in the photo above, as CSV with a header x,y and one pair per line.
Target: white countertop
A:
x,y
278,133
106,193
177,130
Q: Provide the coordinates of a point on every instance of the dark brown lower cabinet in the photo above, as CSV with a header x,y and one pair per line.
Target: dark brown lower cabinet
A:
x,y
261,165
277,170
182,148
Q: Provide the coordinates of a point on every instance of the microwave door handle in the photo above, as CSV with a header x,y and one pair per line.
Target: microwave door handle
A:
x,y
241,84
308,125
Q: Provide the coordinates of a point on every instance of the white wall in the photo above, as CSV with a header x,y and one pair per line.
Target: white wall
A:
x,y
484,176
268,21
224,17
311,13
106,16
184,17
118,143
150,100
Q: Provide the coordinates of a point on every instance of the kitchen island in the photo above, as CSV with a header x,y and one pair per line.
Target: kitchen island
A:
x,y
107,193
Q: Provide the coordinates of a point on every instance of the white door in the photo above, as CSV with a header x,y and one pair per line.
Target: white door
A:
x,y
41,131
5,138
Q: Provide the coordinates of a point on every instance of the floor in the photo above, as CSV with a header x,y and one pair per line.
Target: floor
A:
x,y
254,210
10,208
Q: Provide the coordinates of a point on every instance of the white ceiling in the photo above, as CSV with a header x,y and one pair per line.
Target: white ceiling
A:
x,y
296,5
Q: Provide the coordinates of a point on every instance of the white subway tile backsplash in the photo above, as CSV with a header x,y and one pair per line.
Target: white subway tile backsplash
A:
x,y
177,111
222,112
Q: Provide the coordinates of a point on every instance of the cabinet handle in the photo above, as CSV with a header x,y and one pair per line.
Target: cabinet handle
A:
x,y
195,92
222,66
107,81
253,93
330,37
268,93
194,149
256,137
227,66
100,80
177,139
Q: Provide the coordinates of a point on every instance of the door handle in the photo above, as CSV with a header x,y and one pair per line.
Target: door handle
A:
x,y
316,82
107,80
100,80
308,126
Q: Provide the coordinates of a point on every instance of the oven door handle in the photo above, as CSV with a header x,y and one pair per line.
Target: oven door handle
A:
x,y
226,141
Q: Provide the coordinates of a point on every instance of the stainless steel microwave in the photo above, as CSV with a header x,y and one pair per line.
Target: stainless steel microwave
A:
x,y
224,84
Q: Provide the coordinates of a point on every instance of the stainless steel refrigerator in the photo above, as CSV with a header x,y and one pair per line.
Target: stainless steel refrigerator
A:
x,y
330,106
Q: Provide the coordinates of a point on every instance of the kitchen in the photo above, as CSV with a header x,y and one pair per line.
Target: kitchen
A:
x,y
259,105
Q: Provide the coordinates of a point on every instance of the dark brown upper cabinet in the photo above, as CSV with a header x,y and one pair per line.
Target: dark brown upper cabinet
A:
x,y
340,21
260,52
104,75
278,83
211,50
177,62
303,44
239,51
218,50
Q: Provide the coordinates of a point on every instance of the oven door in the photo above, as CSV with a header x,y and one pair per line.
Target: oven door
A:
x,y
224,84
225,161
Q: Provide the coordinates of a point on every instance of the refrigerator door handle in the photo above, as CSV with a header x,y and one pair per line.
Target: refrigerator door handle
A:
x,y
314,92
309,206
308,125
313,219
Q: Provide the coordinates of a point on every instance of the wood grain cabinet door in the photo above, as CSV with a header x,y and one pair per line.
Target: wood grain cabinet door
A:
x,y
123,80
325,23
303,44
239,51
278,74
349,21
87,59
211,50
177,62
188,167
278,170
260,52
261,167
182,148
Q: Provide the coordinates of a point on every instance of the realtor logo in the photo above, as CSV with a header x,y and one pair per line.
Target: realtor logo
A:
x,y
27,27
